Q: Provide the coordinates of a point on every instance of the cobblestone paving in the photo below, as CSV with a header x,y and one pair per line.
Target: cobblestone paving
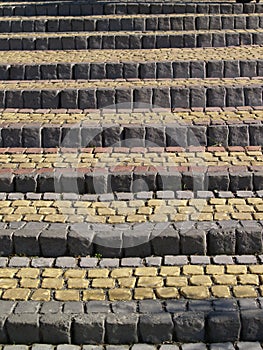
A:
x,y
114,157
23,85
132,211
166,282
212,116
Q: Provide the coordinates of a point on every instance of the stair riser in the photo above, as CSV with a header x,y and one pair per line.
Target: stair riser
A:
x,y
216,22
134,70
191,239
84,9
136,41
126,327
134,181
132,98
49,136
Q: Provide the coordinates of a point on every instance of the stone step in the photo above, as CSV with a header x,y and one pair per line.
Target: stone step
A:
x,y
71,128
135,94
131,225
130,40
206,282
208,322
82,8
144,346
107,170
161,22
228,62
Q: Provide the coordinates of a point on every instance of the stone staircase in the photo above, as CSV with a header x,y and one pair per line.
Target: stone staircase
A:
x,y
131,175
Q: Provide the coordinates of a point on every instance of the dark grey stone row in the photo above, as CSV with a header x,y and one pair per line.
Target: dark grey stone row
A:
x,y
103,181
215,22
83,8
132,70
150,321
133,98
85,135
144,346
140,240
131,41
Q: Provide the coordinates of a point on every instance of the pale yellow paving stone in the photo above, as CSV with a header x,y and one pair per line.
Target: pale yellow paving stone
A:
x,y
257,269
96,219
16,294
217,201
202,217
258,216
221,291
179,217
29,283
47,211
224,208
42,203
177,202
5,204
12,218
241,216
85,211
56,218
215,269
21,203
221,216
143,293
230,280
136,218
145,210
176,281
120,294
94,294
121,272
82,204
66,211
236,269
103,283
200,280
254,200
169,271
67,295
145,271
167,293
34,217
244,292
158,218
77,283
106,211
244,208
248,279
6,283
116,220
193,270
41,295
62,204
53,283
7,210
150,282
98,273
74,273
75,219
186,210
237,201
156,202
52,272
128,211
127,282
25,210
8,272
195,292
